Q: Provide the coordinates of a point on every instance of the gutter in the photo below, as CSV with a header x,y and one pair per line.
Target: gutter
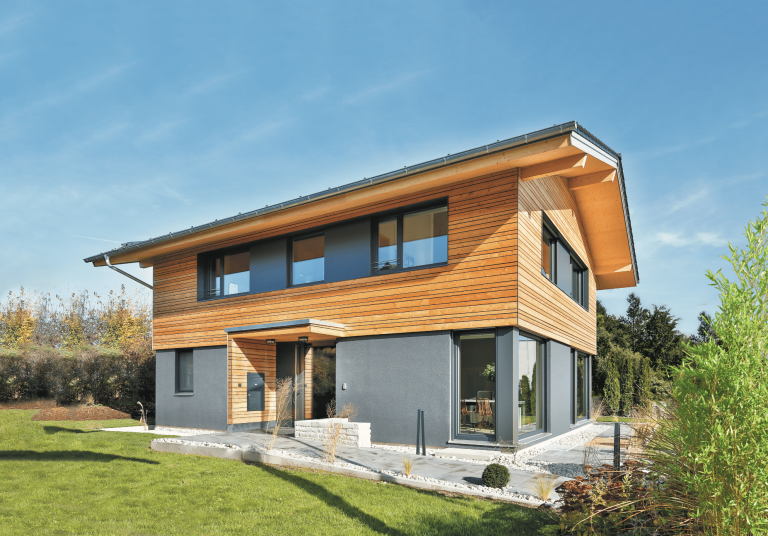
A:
x,y
126,274
471,154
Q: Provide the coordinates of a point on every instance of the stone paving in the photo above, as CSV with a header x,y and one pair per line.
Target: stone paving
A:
x,y
456,471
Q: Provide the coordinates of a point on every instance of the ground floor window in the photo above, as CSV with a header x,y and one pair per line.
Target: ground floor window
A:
x,y
477,383
581,387
529,385
184,371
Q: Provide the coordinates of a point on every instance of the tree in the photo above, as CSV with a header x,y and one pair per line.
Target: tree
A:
x,y
612,387
705,332
635,321
660,341
626,359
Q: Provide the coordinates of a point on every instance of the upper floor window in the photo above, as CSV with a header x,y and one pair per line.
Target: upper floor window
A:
x,y
308,260
562,266
228,274
413,239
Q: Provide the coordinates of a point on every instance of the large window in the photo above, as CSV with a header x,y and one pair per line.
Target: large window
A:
x,y
530,397
412,239
184,371
581,389
477,383
228,274
308,260
562,266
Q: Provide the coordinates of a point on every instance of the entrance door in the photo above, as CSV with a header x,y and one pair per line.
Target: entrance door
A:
x,y
290,364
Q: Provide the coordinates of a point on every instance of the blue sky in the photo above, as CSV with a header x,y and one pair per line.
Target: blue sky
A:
x,y
125,120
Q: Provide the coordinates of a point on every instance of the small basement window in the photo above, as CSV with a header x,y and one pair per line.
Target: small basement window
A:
x,y
184,371
227,274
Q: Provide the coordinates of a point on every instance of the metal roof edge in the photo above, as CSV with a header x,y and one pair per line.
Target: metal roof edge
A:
x,y
471,154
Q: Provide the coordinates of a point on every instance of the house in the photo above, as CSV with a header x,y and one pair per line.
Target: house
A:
x,y
464,286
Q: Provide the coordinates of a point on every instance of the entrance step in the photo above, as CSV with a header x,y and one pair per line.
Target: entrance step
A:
x,y
466,454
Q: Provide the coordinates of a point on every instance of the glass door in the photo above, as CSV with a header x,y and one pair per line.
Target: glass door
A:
x,y
529,383
476,389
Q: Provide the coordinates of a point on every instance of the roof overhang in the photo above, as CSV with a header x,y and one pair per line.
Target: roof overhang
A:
x,y
592,170
313,330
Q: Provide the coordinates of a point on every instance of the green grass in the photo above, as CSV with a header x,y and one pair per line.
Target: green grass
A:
x,y
619,419
63,478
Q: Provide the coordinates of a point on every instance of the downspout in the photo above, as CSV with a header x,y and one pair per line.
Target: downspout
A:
x,y
126,274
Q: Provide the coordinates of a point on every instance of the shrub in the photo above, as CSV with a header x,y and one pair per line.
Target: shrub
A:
x,y
496,476
612,388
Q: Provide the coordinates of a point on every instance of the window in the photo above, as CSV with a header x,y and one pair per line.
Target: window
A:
x,y
184,371
582,389
547,255
477,383
562,266
228,274
413,239
308,260
529,385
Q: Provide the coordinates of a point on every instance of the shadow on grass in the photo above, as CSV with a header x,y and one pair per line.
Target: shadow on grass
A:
x,y
57,429
66,455
502,519
332,500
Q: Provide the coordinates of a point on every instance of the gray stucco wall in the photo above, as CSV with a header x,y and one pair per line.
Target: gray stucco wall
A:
x,y
390,377
559,388
206,406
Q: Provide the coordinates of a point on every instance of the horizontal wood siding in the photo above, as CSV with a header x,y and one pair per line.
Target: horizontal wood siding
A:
x,y
476,289
246,356
544,308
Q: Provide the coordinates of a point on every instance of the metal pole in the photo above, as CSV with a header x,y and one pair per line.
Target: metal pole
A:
x,y
418,426
616,445
423,436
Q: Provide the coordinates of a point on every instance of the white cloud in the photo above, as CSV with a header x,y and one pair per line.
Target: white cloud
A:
x,y
699,239
690,200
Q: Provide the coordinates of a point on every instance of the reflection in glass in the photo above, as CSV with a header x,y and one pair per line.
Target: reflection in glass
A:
x,y
387,245
529,385
477,383
184,371
214,287
546,255
308,260
237,274
425,237
581,402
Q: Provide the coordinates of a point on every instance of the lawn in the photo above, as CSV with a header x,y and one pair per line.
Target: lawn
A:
x,y
68,478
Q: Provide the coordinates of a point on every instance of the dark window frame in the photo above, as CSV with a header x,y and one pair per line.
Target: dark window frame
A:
x,y
177,363
543,381
398,216
456,434
547,227
575,356
291,240
207,259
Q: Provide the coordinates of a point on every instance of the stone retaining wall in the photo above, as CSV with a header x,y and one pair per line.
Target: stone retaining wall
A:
x,y
351,434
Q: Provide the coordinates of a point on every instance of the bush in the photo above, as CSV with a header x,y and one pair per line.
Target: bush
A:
x,y
496,476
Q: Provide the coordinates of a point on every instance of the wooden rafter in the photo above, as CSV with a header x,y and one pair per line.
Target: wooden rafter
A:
x,y
553,167
591,179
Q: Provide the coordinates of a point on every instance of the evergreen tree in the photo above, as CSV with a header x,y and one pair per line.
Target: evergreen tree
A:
x,y
705,333
612,387
661,342
635,321
525,393
643,376
626,377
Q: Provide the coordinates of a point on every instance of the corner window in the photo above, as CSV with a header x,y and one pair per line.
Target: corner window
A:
x,y
412,239
562,266
184,371
228,274
308,260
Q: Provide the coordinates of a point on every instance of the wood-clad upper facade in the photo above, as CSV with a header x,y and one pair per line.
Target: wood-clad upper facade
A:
x,y
496,204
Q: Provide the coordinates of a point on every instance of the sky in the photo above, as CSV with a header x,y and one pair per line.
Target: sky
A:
x,y
121,121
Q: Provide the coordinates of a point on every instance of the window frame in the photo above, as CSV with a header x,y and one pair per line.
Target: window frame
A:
x,y
208,259
398,217
547,227
177,363
576,355
291,241
542,397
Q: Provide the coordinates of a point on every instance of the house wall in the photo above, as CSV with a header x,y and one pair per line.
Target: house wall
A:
x,y
390,377
477,288
543,308
206,406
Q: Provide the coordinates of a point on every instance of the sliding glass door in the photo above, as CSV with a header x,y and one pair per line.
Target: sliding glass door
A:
x,y
476,389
